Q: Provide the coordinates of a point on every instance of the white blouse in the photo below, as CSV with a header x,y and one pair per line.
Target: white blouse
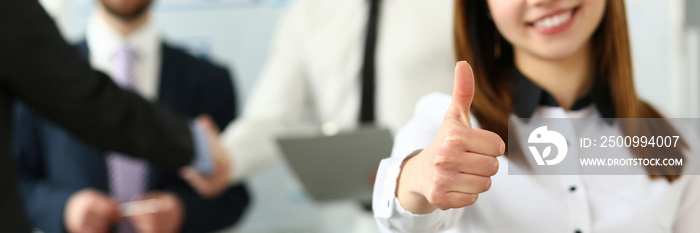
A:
x,y
544,203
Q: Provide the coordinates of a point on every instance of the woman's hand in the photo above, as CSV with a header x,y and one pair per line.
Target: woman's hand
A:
x,y
458,165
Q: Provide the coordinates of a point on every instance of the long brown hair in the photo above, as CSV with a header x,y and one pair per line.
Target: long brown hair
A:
x,y
478,41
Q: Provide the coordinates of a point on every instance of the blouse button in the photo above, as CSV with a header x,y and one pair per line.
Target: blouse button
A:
x,y
572,188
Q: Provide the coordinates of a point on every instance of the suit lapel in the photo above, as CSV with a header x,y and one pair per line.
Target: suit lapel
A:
x,y
169,81
99,164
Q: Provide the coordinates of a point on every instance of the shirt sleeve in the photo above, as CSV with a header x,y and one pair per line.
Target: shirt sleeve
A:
x,y
418,133
38,67
277,103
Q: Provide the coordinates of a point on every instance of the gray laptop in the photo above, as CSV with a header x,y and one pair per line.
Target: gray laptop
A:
x,y
341,166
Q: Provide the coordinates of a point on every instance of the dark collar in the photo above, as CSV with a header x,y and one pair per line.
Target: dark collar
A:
x,y
527,96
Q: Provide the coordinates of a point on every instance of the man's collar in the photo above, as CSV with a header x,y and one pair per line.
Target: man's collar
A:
x,y
103,40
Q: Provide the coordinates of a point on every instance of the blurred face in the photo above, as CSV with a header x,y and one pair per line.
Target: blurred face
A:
x,y
126,9
547,29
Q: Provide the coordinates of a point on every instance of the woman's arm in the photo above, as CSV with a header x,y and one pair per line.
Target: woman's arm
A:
x,y
418,133
449,173
278,101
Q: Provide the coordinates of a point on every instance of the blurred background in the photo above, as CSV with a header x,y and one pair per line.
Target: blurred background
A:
x,y
665,39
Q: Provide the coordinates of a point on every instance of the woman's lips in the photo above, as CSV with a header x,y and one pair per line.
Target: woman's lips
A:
x,y
554,23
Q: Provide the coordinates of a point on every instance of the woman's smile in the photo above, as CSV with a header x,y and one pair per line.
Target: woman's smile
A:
x,y
554,22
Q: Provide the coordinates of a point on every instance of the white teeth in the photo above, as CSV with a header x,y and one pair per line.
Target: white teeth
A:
x,y
553,21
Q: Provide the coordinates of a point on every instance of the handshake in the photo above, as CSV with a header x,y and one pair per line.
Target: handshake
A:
x,y
212,185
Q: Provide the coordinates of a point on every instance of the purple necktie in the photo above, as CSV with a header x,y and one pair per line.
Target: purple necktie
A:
x,y
127,176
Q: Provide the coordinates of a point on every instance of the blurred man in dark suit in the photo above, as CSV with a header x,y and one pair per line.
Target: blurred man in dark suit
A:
x,y
68,186
39,68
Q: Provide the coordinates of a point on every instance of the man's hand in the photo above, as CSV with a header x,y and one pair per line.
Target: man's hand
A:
x,y
168,218
210,186
458,165
89,210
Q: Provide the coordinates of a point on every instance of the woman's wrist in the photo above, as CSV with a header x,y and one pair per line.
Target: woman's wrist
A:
x,y
408,185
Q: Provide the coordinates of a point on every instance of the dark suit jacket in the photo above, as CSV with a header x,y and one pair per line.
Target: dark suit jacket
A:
x,y
53,164
40,68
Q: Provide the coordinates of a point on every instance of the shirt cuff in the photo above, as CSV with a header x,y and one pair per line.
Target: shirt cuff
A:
x,y
388,210
202,156
419,222
385,185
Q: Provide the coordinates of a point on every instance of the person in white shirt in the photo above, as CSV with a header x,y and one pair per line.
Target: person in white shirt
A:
x,y
313,75
531,59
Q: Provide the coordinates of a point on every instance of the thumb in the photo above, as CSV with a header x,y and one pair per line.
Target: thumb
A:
x,y
462,94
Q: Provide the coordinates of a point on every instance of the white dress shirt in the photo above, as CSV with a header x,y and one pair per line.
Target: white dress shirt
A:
x,y
545,203
312,75
103,41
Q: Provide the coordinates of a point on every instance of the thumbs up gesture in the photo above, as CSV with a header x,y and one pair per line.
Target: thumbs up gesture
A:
x,y
458,165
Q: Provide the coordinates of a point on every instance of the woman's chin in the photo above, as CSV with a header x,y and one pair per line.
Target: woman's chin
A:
x,y
557,52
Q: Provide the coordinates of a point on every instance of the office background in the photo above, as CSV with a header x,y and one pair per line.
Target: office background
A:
x,y
666,53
